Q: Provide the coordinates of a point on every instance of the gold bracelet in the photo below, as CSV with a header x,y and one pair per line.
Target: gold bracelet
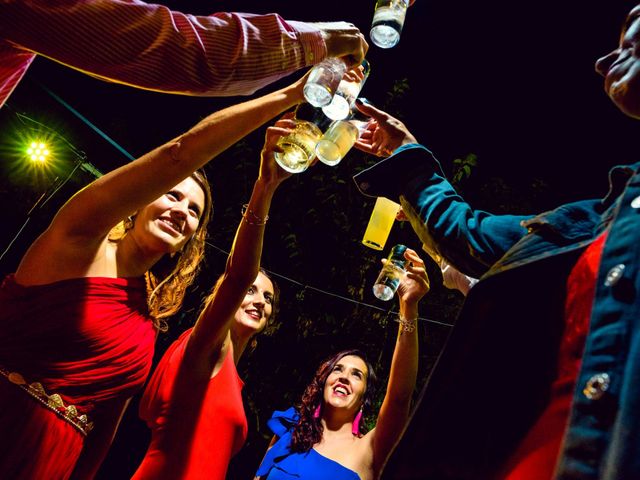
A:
x,y
251,218
408,325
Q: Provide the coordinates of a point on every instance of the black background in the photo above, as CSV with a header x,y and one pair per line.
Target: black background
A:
x,y
512,82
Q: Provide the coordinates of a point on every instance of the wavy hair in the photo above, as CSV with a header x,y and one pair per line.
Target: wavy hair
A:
x,y
168,279
308,431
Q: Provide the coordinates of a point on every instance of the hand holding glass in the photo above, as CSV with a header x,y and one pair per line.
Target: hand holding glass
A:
x,y
389,277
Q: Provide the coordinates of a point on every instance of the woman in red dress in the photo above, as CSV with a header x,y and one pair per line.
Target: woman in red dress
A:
x,y
193,403
80,314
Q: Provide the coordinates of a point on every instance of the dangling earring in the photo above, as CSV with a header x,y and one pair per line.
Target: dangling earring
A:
x,y
128,223
316,413
355,428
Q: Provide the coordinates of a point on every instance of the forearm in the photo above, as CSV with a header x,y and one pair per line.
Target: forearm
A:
x,y
404,365
125,190
241,270
152,47
471,240
244,260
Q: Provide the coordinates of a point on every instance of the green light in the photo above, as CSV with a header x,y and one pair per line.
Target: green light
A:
x,y
38,151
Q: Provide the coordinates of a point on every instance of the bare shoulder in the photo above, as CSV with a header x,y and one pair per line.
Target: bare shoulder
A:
x,y
51,258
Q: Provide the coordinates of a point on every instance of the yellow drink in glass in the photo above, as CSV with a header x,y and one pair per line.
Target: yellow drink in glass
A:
x,y
380,223
336,142
299,147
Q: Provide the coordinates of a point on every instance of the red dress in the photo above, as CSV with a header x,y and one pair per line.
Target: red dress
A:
x,y
80,342
537,454
196,427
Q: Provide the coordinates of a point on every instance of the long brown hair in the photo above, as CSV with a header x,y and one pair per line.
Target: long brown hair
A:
x,y
168,279
308,431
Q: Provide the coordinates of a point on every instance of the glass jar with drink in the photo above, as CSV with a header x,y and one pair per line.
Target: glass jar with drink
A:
x,y
388,20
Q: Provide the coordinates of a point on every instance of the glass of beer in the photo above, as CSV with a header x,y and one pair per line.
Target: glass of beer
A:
x,y
388,19
337,141
298,147
343,101
382,218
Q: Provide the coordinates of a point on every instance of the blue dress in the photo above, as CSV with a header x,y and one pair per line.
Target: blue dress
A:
x,y
281,464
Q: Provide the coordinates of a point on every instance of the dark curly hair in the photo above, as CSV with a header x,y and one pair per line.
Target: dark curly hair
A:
x,y
308,431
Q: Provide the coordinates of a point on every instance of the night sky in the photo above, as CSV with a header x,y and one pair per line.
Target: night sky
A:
x,y
512,82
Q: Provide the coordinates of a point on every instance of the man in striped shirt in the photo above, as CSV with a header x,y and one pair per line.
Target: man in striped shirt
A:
x,y
152,47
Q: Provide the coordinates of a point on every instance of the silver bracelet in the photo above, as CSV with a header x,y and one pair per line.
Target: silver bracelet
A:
x,y
251,218
408,325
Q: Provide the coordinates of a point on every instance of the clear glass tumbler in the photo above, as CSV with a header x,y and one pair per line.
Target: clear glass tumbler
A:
x,y
299,147
389,278
388,19
323,81
337,141
343,101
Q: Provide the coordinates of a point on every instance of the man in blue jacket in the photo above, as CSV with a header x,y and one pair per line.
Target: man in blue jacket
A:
x,y
540,377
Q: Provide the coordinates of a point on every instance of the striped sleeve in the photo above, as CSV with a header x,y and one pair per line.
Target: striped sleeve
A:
x,y
152,47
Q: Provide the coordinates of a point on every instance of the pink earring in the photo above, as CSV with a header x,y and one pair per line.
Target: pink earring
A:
x,y
355,429
316,413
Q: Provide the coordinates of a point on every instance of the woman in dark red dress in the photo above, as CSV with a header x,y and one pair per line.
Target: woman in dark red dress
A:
x,y
80,314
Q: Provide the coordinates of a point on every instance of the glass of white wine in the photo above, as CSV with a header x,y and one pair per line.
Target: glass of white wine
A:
x,y
299,147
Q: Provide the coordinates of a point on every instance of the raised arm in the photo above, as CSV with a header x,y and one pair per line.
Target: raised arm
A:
x,y
152,47
471,240
395,408
243,263
93,211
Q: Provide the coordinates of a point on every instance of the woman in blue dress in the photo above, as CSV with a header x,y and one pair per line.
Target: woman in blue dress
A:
x,y
324,436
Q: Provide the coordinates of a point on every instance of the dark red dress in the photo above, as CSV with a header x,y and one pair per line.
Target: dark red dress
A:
x,y
197,426
73,343
537,454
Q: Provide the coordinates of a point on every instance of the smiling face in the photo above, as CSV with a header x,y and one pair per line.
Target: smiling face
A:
x,y
166,224
346,384
256,307
621,67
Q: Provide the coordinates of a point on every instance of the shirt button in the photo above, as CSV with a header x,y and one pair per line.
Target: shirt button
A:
x,y
635,203
614,275
596,386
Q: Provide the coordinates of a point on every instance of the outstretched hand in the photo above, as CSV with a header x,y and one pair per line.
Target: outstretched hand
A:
x,y
383,134
270,172
414,284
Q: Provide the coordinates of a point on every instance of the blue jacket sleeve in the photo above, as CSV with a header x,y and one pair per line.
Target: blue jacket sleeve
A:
x,y
471,240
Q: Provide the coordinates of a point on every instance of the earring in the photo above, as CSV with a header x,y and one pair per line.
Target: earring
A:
x,y
316,413
128,223
355,429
